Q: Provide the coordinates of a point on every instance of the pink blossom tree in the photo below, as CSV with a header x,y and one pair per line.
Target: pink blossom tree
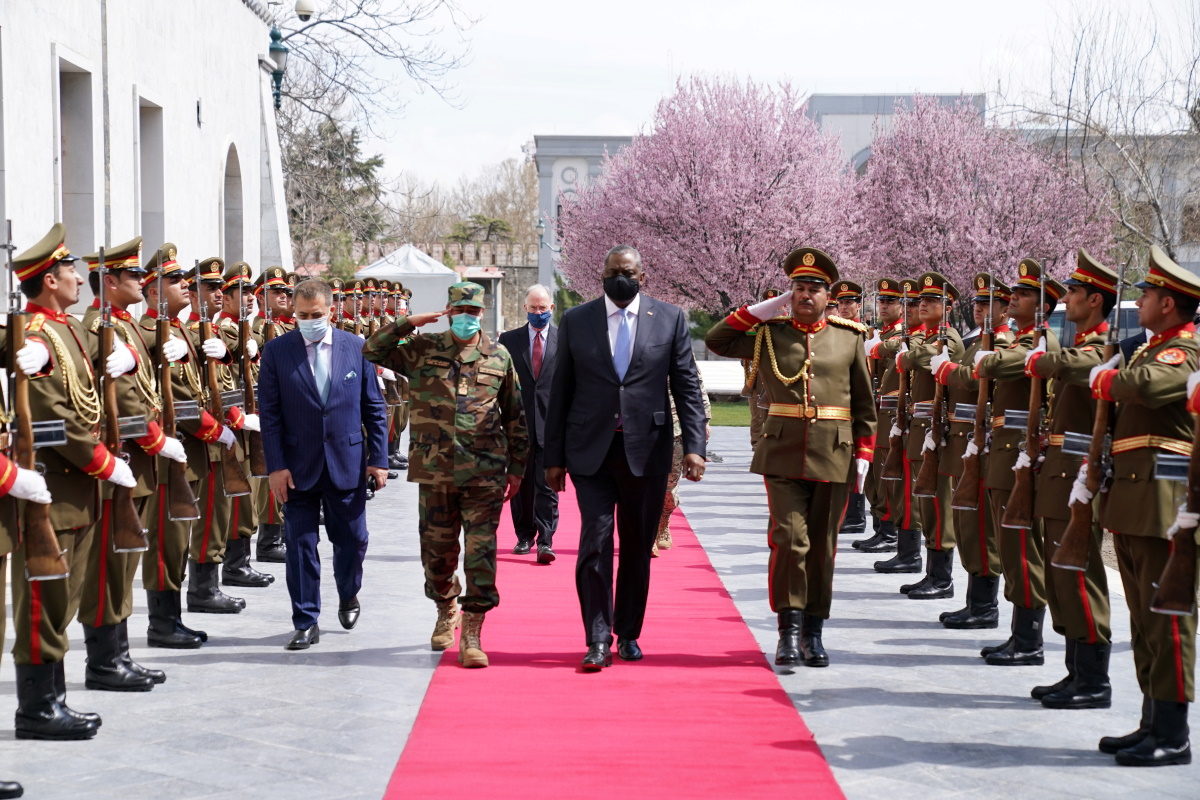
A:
x,y
944,192
729,179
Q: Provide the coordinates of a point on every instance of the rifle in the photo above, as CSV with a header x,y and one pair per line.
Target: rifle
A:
x,y
235,481
966,491
927,479
374,314
1072,552
181,500
44,558
1175,593
1019,511
893,468
254,444
356,324
128,536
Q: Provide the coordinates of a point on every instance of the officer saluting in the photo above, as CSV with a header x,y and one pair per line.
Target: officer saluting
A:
x,y
819,434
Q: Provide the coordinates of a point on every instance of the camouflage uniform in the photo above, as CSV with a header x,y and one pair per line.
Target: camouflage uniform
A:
x,y
468,434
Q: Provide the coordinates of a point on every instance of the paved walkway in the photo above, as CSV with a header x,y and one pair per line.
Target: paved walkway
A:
x,y
906,707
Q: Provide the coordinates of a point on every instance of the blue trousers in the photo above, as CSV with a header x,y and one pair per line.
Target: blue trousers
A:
x,y
346,527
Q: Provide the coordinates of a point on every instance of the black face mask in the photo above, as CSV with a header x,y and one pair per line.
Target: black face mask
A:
x,y
621,288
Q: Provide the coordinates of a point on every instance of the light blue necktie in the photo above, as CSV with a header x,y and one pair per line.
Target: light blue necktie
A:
x,y
623,350
321,371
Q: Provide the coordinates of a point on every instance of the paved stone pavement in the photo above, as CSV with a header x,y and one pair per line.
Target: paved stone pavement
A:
x,y
906,706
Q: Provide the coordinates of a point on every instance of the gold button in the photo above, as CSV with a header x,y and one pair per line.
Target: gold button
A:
x,y
1133,476
1062,475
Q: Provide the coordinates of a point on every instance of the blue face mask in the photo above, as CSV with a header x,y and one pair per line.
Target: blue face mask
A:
x,y
538,320
313,330
464,326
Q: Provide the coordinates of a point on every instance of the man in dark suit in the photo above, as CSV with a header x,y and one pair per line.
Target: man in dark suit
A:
x,y
324,430
609,425
533,345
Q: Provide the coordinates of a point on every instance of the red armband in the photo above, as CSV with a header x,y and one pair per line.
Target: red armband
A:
x,y
1031,365
235,418
864,448
209,430
102,464
1193,403
741,320
875,351
1102,386
152,443
944,372
8,474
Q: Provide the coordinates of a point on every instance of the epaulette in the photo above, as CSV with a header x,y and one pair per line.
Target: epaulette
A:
x,y
95,326
849,324
36,323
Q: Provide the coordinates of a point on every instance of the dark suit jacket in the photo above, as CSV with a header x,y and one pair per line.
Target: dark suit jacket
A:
x,y
535,392
587,398
301,435
1130,344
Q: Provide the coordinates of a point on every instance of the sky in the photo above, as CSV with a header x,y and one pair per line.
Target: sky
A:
x,y
542,67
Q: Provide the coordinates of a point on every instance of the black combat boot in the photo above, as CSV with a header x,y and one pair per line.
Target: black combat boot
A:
x,y
11,789
939,567
855,520
156,675
1024,649
177,604
1038,692
908,554
812,649
204,594
1115,744
1091,687
270,546
105,669
875,525
884,540
1167,742
787,652
236,571
40,715
60,693
166,629
982,609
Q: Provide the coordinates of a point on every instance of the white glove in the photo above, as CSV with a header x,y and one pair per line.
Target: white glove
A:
x,y
173,449
174,349
1023,462
215,348
1095,373
980,355
861,468
251,348
1079,491
928,445
1186,520
972,449
226,438
1192,381
120,361
895,431
1041,348
122,475
769,309
31,486
250,422
32,357
387,374
870,344
936,362
362,336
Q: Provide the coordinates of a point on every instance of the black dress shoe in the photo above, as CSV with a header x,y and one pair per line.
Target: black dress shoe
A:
x,y
628,650
545,554
599,656
348,613
11,789
522,548
393,475
302,640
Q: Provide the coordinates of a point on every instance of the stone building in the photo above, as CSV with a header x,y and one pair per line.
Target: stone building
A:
x,y
505,269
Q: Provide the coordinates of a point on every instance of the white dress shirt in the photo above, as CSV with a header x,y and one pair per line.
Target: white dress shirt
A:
x,y
614,321
323,349
533,332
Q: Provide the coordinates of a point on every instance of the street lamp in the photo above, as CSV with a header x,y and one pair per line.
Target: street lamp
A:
x,y
279,56
541,232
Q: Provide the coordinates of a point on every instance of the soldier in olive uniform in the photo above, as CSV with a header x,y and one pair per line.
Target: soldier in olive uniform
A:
x,y
889,308
1078,601
752,389
1021,556
1152,418
978,549
275,318
937,297
468,435
819,435
848,296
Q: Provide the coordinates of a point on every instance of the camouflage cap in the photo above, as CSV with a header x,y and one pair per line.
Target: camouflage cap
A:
x,y
465,293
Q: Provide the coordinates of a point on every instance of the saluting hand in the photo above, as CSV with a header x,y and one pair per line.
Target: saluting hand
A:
x,y
417,320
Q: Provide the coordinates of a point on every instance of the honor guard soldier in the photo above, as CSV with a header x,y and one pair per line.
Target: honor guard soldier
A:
x,y
58,357
399,459
275,319
965,458
753,389
338,287
1152,419
237,302
848,296
926,434
1021,556
469,434
819,436
1078,601
889,309
907,514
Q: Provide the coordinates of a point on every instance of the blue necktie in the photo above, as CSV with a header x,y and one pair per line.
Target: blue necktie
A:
x,y
321,371
624,349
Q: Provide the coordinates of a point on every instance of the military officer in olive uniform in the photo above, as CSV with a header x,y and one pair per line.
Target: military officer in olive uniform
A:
x,y
974,526
819,436
468,451
1021,556
275,318
1152,418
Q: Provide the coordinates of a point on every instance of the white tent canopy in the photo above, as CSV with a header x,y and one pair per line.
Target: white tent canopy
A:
x,y
427,277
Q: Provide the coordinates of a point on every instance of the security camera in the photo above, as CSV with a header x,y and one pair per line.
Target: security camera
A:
x,y
305,9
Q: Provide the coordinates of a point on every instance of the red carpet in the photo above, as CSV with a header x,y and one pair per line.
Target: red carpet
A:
x,y
702,716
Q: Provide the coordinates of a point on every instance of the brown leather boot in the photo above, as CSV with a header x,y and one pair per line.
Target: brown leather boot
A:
x,y
470,652
443,630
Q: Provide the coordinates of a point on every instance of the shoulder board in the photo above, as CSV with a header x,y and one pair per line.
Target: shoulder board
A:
x,y
438,361
36,323
95,326
849,324
499,373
